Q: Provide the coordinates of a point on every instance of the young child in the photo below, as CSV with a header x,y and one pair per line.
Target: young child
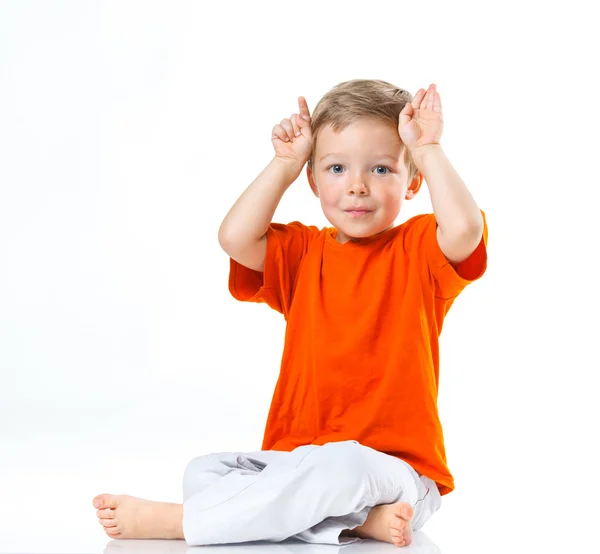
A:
x,y
353,446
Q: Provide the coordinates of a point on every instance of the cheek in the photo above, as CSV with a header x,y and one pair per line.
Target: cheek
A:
x,y
391,197
329,196
388,203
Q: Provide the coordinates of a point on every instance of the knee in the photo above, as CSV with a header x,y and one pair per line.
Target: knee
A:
x,y
199,473
340,462
198,462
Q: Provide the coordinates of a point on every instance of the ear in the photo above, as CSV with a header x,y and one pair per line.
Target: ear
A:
x,y
311,181
414,186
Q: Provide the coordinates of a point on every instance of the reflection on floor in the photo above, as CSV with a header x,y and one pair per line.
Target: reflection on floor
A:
x,y
421,544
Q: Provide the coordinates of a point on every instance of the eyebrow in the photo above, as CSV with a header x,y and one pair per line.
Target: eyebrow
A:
x,y
376,156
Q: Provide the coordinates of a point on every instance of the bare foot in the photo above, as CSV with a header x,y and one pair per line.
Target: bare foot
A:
x,y
129,517
388,523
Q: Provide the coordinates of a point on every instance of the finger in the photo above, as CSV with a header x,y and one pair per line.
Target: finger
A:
x,y
431,93
305,129
303,124
418,99
423,99
279,133
437,102
289,129
303,107
295,127
406,114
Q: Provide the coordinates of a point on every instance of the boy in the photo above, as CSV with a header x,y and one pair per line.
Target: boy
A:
x,y
353,446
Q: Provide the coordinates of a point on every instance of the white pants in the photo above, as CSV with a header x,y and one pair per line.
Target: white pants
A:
x,y
312,493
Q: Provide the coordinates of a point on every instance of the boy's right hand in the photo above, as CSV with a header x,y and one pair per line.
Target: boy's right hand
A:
x,y
296,149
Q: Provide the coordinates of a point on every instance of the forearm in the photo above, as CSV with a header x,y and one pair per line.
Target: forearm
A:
x,y
455,209
252,213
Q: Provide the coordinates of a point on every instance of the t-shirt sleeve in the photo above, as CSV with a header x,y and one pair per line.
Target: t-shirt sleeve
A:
x,y
286,246
449,279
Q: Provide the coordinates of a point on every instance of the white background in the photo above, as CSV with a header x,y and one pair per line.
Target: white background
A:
x,y
128,130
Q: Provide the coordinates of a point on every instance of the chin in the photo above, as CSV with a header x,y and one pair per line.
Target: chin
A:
x,y
355,235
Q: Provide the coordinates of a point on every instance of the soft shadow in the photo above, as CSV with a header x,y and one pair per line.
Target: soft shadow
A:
x,y
421,544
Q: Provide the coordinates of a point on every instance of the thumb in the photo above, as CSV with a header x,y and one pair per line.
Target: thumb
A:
x,y
304,125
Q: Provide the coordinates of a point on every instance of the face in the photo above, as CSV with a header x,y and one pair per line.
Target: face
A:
x,y
361,167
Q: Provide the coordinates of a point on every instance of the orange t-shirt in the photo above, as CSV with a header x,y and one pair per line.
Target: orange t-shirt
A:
x,y
360,358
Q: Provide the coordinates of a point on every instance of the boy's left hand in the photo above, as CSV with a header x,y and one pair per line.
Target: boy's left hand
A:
x,y
421,120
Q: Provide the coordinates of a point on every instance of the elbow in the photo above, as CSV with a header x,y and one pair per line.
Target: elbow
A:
x,y
476,229
221,236
224,235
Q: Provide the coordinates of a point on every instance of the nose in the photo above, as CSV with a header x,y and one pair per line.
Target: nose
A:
x,y
357,187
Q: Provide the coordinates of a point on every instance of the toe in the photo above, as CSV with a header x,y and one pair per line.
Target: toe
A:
x,y
112,532
108,523
397,524
398,540
406,511
106,513
105,501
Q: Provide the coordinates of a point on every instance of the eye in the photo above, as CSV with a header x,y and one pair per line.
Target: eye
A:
x,y
384,167
389,169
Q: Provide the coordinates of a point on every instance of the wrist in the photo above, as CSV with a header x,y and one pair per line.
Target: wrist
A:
x,y
423,152
289,162
291,168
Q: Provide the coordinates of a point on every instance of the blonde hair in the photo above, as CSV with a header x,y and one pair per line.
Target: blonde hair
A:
x,y
357,99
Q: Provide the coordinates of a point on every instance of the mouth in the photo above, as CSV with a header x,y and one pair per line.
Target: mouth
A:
x,y
357,213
